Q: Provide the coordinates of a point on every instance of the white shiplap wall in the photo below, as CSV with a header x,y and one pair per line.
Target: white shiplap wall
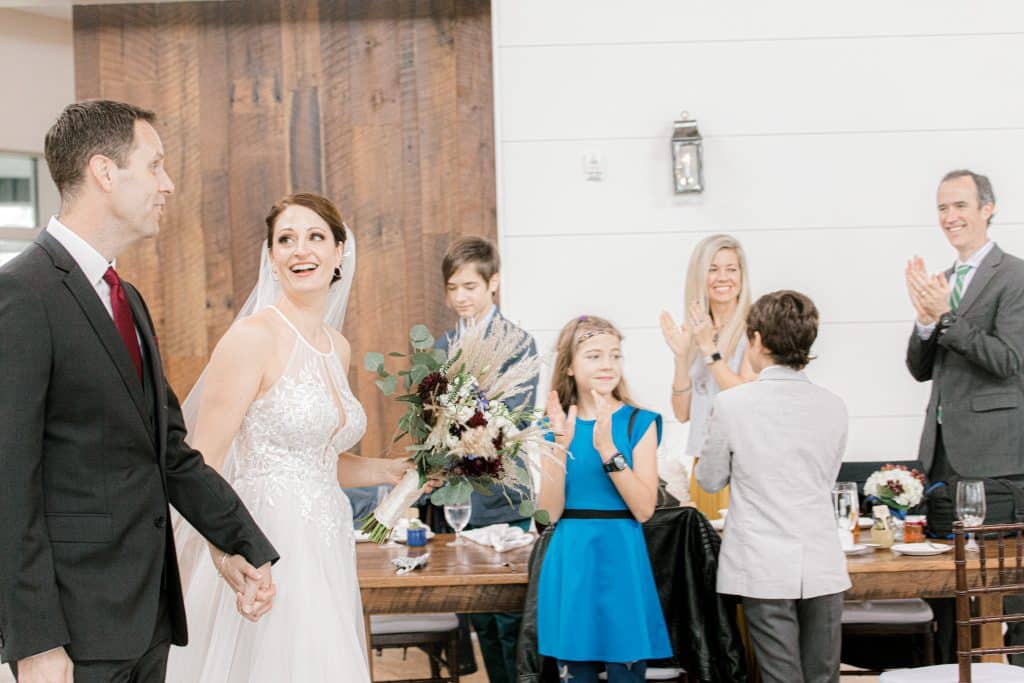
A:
x,y
826,128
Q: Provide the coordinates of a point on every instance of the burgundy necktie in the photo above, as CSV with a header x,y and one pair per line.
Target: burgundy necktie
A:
x,y
123,318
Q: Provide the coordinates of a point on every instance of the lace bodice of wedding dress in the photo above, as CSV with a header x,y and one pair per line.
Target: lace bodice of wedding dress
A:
x,y
290,437
284,465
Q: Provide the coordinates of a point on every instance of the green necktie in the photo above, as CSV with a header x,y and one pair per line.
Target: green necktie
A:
x,y
958,287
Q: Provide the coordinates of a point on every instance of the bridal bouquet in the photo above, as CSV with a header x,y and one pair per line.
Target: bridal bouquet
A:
x,y
896,486
459,420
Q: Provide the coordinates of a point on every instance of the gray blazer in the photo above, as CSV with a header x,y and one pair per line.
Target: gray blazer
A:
x,y
779,442
977,372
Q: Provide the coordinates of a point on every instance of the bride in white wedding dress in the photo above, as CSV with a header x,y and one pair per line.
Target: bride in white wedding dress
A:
x,y
276,415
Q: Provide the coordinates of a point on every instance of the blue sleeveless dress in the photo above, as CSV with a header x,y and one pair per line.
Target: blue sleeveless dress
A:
x,y
596,600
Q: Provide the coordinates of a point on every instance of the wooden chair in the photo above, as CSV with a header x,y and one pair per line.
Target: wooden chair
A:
x,y
1001,579
435,634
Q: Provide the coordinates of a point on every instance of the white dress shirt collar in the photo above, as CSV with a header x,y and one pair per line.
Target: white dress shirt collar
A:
x,y
976,258
485,321
92,262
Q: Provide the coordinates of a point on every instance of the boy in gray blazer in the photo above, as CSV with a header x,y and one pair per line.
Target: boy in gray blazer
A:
x,y
779,442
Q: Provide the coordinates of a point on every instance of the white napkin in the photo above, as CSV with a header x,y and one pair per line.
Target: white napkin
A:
x,y
501,537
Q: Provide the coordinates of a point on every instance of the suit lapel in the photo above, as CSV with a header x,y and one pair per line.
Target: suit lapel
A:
x,y
98,317
152,352
986,270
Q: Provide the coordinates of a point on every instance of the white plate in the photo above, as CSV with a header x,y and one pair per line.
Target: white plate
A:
x,y
920,548
362,537
718,524
858,549
865,522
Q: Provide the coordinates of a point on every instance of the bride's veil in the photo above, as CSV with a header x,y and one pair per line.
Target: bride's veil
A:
x,y
190,545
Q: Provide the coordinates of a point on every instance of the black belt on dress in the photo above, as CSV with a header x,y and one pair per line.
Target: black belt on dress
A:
x,y
596,514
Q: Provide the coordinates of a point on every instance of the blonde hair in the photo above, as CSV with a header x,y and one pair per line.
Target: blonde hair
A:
x,y
732,330
575,332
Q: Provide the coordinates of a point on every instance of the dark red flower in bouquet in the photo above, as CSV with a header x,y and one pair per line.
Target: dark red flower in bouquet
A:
x,y
478,420
479,467
432,385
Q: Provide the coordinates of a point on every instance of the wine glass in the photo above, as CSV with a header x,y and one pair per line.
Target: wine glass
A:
x,y
382,492
457,517
970,507
846,506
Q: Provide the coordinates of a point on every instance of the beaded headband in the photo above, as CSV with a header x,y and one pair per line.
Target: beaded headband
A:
x,y
589,333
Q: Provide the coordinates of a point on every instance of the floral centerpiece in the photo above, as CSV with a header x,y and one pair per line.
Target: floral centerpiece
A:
x,y
896,487
460,424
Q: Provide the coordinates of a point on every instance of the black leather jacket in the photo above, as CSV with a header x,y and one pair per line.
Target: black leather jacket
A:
x,y
683,548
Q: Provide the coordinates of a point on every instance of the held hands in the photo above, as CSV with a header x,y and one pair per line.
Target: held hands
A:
x,y
703,330
603,442
258,596
929,294
53,666
678,337
253,587
563,425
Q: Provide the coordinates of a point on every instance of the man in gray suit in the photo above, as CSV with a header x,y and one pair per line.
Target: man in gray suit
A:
x,y
969,340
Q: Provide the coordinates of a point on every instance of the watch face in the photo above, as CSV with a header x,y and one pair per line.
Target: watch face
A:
x,y
620,462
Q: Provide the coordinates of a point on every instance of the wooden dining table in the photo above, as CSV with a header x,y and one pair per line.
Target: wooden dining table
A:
x,y
474,578
883,574
468,578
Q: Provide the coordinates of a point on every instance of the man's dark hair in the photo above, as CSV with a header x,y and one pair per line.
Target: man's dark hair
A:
x,y
476,250
85,129
788,323
986,195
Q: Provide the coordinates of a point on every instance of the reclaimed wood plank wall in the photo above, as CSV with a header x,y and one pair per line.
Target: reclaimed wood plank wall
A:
x,y
384,106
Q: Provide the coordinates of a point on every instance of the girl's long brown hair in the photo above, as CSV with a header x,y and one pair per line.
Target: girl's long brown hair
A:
x,y
577,331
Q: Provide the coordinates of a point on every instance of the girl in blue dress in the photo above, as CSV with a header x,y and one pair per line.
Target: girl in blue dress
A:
x,y
597,605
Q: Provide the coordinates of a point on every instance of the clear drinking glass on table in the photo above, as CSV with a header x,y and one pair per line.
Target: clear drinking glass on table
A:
x,y
457,517
846,505
970,507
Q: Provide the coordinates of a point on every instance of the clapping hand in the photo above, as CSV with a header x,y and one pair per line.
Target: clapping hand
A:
x,y
929,294
678,337
703,330
603,442
562,425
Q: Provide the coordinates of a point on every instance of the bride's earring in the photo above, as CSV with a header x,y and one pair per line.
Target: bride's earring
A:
x,y
273,275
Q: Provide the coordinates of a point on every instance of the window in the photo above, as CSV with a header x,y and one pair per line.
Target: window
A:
x,y
19,191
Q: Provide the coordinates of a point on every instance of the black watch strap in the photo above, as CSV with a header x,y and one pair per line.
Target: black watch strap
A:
x,y
616,463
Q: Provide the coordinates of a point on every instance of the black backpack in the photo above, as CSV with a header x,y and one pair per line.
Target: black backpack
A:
x,y
1004,504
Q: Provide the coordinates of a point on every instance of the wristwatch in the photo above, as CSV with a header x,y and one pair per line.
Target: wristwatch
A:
x,y
713,358
616,464
946,320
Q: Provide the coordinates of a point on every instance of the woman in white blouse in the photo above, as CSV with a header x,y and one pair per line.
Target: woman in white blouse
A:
x,y
710,348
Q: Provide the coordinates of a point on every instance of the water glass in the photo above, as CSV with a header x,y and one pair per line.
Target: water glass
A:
x,y
846,506
970,507
457,517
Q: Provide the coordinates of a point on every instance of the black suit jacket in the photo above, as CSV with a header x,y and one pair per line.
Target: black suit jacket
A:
x,y
90,458
977,371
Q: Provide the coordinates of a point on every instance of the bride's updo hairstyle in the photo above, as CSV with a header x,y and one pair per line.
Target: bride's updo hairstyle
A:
x,y
321,206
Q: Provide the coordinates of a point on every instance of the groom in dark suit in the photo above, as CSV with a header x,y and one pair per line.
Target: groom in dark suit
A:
x,y
92,446
968,339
